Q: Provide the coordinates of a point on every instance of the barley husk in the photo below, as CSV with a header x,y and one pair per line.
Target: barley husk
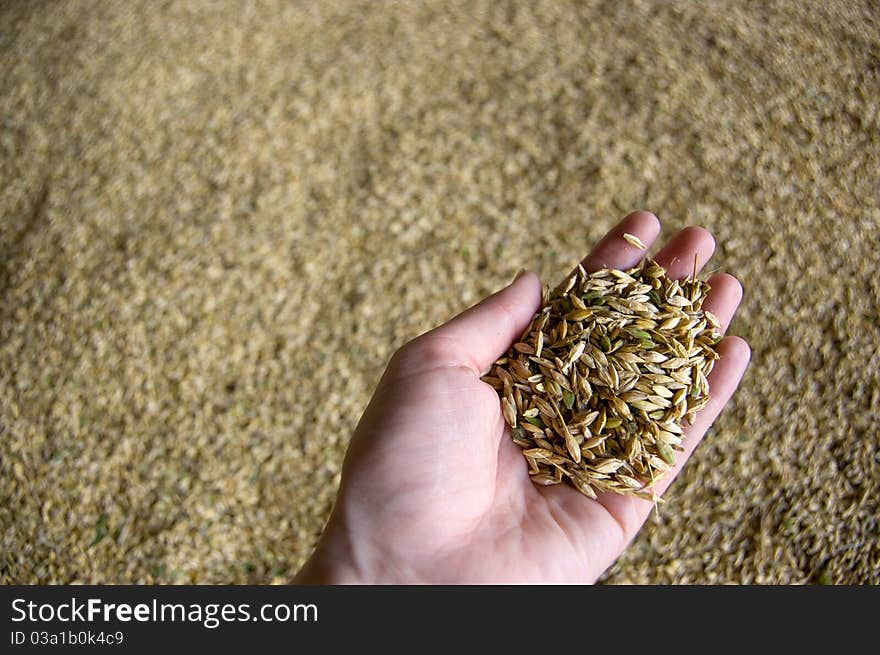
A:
x,y
608,372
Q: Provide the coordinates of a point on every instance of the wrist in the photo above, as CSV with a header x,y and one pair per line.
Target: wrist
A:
x,y
322,570
331,563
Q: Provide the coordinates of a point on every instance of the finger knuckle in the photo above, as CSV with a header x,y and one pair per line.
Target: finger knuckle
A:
x,y
426,351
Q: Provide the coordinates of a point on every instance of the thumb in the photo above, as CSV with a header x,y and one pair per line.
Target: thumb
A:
x,y
485,331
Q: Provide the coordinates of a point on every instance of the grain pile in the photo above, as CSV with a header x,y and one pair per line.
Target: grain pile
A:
x,y
599,387
218,220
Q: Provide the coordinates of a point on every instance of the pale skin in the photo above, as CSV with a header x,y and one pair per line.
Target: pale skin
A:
x,y
435,491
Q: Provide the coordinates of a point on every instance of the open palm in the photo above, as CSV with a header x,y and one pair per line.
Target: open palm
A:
x,y
433,488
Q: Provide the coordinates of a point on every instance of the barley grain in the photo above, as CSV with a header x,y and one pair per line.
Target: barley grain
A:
x,y
623,358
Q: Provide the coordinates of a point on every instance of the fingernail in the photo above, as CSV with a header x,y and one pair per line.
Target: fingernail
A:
x,y
522,272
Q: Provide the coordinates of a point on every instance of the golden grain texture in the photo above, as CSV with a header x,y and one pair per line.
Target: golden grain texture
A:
x,y
609,371
218,220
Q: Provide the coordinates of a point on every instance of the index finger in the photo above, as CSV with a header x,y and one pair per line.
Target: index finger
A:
x,y
614,251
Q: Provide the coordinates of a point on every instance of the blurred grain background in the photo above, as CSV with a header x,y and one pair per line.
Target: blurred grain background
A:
x,y
217,221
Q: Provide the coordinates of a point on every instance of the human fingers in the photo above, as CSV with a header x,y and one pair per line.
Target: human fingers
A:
x,y
480,335
614,251
691,245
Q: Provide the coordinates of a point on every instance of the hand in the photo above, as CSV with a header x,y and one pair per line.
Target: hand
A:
x,y
435,491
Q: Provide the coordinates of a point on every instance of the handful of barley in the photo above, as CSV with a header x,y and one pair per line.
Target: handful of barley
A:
x,y
598,387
